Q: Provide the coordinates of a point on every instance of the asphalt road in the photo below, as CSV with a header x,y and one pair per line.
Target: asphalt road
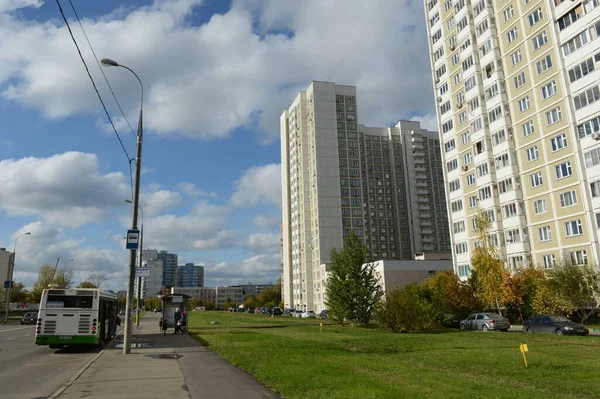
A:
x,y
28,371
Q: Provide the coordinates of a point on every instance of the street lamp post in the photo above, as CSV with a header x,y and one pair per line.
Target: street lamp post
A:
x,y
136,203
56,267
139,279
9,275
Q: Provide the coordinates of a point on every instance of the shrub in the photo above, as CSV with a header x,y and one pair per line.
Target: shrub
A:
x,y
407,310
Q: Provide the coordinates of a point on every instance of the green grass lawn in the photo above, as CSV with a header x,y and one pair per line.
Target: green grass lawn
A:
x,y
292,357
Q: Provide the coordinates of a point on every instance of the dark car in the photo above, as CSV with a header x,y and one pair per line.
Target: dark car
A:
x,y
29,318
553,324
250,310
324,314
277,312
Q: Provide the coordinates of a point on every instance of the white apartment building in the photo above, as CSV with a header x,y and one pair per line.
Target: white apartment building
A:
x,y
385,184
150,286
516,87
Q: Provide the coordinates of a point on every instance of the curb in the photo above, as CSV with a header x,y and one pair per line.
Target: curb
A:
x,y
66,385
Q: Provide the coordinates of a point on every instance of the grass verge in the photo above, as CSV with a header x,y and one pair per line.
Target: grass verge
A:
x,y
292,357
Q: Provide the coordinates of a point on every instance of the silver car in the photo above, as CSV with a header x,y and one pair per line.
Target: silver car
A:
x,y
485,322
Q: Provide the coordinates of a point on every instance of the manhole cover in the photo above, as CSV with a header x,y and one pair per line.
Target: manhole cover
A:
x,y
165,356
136,345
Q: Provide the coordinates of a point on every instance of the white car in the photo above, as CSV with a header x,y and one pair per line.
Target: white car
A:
x,y
309,314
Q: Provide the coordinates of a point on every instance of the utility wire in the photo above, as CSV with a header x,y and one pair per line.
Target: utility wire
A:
x,y
93,83
101,69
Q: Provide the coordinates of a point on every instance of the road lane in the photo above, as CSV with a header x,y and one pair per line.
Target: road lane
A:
x,y
28,371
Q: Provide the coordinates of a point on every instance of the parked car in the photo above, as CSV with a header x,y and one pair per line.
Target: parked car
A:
x,y
277,312
297,313
485,322
288,312
324,314
309,314
553,324
29,318
251,310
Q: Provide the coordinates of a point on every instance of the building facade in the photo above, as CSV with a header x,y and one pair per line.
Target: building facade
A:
x,y
190,275
169,276
339,176
6,260
216,295
516,87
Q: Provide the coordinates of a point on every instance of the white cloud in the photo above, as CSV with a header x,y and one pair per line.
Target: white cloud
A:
x,y
428,121
67,189
258,185
267,222
263,242
154,202
257,269
11,5
193,191
241,68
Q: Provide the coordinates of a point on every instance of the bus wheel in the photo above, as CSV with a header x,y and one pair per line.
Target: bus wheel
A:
x,y
55,346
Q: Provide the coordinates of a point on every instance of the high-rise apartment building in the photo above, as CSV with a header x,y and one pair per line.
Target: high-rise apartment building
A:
x,y
518,106
190,275
385,184
169,268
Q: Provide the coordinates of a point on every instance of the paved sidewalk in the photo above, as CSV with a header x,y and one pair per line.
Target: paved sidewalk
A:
x,y
165,367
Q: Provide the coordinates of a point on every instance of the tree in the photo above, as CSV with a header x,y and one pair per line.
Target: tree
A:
x,y
407,310
97,279
210,305
578,288
520,290
18,294
122,302
86,284
250,302
353,290
50,275
488,266
153,303
449,295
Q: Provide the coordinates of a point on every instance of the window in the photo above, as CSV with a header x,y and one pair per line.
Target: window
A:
x,y
477,125
582,69
589,127
595,189
545,233
452,165
483,169
465,44
479,7
434,19
516,57
485,48
510,210
440,71
482,27
457,78
470,83
559,142
549,89
512,35
467,63
450,145
461,248
458,227
473,201
532,153
508,13
553,116
492,91
568,198
572,16
505,185
495,114
502,161
499,137
447,126
454,185
549,261
527,128
536,179
544,64
462,118
485,193
534,17
513,235
455,59
520,80
464,270
473,104
587,97
539,206
578,258
563,170
468,158
443,88
445,107
575,44
524,104
456,206
573,228
470,179
592,157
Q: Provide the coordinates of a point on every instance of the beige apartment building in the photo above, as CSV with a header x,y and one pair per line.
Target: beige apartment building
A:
x,y
518,107
385,184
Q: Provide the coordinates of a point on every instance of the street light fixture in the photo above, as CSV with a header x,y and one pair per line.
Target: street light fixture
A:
x,y
136,203
9,275
139,279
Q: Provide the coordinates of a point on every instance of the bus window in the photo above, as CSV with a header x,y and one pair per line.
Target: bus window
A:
x,y
66,301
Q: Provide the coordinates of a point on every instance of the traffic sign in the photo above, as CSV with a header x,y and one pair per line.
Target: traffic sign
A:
x,y
132,239
7,284
142,272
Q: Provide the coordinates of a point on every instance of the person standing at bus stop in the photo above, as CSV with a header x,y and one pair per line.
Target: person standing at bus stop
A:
x,y
177,317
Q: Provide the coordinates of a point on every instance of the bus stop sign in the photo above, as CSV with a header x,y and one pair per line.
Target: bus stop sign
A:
x,y
132,239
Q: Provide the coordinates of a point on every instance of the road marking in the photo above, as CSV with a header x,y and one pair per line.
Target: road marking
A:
x,y
14,329
11,338
26,335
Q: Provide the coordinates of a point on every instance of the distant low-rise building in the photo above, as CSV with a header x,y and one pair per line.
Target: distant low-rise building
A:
x,y
254,289
397,273
217,295
6,259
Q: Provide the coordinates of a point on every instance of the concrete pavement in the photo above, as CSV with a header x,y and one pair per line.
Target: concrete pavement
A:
x,y
171,366
30,371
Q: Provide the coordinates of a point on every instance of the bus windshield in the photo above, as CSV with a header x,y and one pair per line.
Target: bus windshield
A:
x,y
67,301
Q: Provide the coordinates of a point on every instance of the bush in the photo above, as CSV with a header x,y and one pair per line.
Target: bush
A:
x,y
407,310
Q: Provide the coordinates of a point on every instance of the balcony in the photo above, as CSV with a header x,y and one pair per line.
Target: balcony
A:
x,y
420,169
419,161
427,239
417,138
428,247
422,192
418,146
424,215
425,223
423,199
421,176
427,230
424,207
418,154
421,184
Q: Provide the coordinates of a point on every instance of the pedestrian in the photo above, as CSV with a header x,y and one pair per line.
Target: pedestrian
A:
x,y
182,322
177,318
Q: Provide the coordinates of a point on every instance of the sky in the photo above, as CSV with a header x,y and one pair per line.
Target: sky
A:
x,y
217,75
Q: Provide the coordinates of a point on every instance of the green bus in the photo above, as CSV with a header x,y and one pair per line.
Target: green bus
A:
x,y
76,316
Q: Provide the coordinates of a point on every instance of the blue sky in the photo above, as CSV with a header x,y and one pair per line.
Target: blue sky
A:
x,y
217,76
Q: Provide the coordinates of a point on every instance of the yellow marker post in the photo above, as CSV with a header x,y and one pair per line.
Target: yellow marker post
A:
x,y
524,349
321,326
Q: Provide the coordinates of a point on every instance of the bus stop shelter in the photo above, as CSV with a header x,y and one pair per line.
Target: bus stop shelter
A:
x,y
169,305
